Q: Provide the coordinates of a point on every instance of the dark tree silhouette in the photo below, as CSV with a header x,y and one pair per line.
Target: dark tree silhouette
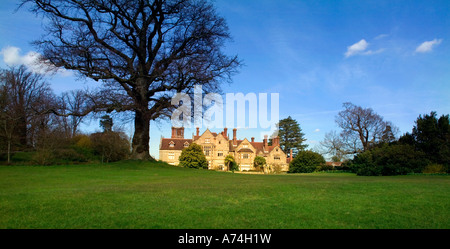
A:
x,y
143,50
365,125
24,93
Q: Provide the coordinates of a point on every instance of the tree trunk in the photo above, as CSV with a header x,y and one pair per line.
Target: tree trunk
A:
x,y
9,150
141,137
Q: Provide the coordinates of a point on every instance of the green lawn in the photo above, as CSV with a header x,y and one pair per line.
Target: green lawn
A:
x,y
154,195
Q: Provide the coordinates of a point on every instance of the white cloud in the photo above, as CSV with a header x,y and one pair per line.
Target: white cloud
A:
x,y
317,130
381,36
11,57
360,48
427,46
356,48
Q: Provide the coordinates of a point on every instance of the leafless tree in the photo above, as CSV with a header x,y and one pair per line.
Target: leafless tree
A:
x,y
362,125
74,106
8,123
23,92
143,50
334,144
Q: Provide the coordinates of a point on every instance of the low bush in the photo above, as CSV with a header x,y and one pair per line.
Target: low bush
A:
x,y
306,162
325,167
110,146
193,157
389,160
435,168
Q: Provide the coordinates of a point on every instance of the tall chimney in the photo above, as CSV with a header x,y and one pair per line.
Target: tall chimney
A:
x,y
234,136
181,132
198,131
253,139
225,132
290,154
276,141
173,132
265,141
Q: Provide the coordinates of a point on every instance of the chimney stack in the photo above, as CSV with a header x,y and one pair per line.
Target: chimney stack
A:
x,y
234,136
225,132
181,135
265,141
198,131
177,132
173,132
290,154
276,141
253,139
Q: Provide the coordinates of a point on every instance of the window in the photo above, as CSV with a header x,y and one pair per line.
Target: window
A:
x,y
245,146
207,150
207,141
186,144
246,167
171,144
220,154
171,156
245,156
276,157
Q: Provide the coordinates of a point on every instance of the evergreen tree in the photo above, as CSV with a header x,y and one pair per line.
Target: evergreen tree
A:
x,y
432,136
193,157
106,122
291,136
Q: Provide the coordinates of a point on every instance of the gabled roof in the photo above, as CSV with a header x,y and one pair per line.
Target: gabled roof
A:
x,y
178,143
259,146
232,147
245,150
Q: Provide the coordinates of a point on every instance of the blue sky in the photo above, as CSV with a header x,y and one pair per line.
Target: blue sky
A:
x,y
392,56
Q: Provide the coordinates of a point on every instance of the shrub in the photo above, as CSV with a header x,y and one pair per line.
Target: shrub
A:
x,y
83,141
276,168
435,168
111,146
306,162
83,145
69,155
193,157
399,159
259,163
231,163
325,167
43,157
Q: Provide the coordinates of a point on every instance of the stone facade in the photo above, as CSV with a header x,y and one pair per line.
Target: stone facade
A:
x,y
216,146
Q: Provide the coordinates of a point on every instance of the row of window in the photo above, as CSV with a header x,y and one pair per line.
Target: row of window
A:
x,y
172,144
220,154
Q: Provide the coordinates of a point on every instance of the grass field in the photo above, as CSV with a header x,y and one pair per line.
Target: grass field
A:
x,y
154,195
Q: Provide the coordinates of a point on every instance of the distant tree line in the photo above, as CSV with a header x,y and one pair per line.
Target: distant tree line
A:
x,y
370,146
425,150
43,127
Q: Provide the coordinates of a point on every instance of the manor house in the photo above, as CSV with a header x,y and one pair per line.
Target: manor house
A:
x,y
216,146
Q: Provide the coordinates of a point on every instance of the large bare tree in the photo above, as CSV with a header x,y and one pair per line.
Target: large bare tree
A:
x,y
22,94
363,125
362,129
25,93
143,50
